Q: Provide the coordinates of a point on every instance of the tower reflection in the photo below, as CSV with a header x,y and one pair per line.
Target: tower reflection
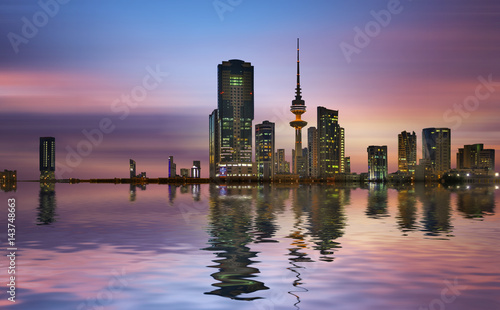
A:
x,y
476,202
230,226
436,210
47,203
377,201
407,209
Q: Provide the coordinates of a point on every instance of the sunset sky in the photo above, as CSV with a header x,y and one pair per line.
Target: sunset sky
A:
x,y
66,68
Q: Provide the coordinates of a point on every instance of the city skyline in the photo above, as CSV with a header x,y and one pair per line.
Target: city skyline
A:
x,y
412,75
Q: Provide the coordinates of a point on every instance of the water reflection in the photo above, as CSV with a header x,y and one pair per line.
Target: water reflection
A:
x,y
476,202
327,219
47,204
268,202
436,210
407,209
230,227
377,201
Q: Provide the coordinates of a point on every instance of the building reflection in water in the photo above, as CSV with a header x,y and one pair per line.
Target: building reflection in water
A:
x,y
407,209
196,192
319,221
172,191
436,210
47,203
377,201
268,202
230,228
476,202
133,190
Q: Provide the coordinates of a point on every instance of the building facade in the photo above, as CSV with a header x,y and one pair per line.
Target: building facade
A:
x,y
132,168
436,148
377,163
47,158
330,143
230,125
407,152
312,145
264,150
476,157
196,169
172,167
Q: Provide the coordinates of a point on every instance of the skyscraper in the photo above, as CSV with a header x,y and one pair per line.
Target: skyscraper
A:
x,y
231,123
436,149
132,168
47,156
312,145
214,143
298,108
407,152
330,143
264,150
172,167
282,166
377,163
196,169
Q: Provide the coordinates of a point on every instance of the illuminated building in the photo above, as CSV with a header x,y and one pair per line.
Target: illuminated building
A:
x,y
282,166
298,108
312,145
172,167
436,148
330,143
407,152
196,169
347,164
264,150
377,163
230,125
475,157
132,168
184,172
47,158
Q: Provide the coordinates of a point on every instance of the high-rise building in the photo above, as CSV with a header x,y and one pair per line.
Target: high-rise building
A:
x,y
312,145
172,167
342,150
280,166
347,164
47,158
230,128
475,157
264,150
196,169
436,148
330,143
132,168
377,163
407,152
214,143
298,108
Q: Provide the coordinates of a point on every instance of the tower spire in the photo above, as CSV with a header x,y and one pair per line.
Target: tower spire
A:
x,y
297,89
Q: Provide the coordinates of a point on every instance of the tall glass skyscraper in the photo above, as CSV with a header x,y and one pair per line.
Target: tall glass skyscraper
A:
x,y
312,145
330,143
47,156
436,148
407,152
264,150
231,123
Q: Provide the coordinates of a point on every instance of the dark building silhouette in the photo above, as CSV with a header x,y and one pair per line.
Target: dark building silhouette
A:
x,y
476,158
132,168
47,158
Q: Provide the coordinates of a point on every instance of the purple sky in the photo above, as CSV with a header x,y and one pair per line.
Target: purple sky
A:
x,y
422,68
